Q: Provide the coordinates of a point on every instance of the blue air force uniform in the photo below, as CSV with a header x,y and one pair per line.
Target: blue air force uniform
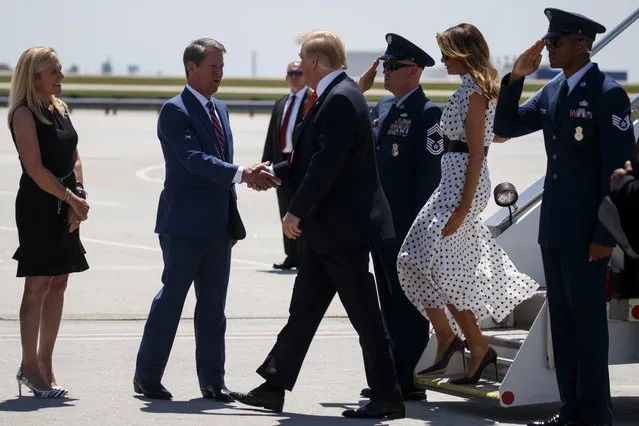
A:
x,y
409,147
587,131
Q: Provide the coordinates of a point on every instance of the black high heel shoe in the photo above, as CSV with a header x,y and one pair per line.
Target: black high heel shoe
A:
x,y
489,358
440,366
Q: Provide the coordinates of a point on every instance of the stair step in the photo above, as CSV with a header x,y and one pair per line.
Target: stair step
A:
x,y
526,312
487,390
506,341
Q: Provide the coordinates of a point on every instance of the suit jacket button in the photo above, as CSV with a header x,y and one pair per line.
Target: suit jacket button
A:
x,y
554,156
554,137
554,176
377,147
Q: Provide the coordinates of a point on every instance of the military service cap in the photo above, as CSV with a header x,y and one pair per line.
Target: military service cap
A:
x,y
563,23
399,48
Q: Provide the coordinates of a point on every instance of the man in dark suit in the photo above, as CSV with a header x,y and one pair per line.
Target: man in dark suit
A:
x,y
287,114
339,206
198,222
585,118
409,150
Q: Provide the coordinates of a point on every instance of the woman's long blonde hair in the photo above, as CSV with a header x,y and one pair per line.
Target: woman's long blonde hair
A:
x,y
24,88
466,42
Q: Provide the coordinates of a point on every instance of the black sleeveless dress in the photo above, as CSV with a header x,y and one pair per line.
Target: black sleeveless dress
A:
x,y
46,246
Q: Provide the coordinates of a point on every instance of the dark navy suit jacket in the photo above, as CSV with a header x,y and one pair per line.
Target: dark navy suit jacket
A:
x,y
198,199
332,173
587,137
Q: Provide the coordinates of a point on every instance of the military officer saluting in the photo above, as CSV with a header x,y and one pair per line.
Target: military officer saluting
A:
x,y
409,148
585,118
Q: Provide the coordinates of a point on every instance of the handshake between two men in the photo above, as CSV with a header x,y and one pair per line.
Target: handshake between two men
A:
x,y
260,177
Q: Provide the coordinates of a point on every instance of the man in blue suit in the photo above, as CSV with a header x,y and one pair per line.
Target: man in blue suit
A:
x,y
198,222
585,118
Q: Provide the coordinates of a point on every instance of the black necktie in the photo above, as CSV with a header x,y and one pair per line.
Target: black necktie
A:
x,y
388,120
563,94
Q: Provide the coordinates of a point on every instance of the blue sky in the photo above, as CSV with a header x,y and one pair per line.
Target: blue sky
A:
x,y
153,34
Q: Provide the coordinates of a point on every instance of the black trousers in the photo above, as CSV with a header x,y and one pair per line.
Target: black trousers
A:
x,y
578,320
319,278
292,248
407,327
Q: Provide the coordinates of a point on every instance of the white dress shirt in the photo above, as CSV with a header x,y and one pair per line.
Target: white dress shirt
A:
x,y
574,79
291,121
200,97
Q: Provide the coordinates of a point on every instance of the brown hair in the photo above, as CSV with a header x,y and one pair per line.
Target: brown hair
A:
x,y
328,46
466,42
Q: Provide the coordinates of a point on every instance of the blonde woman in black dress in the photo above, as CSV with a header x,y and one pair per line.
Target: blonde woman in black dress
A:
x,y
449,259
50,205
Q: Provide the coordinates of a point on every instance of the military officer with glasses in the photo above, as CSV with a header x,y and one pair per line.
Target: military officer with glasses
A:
x,y
409,147
585,119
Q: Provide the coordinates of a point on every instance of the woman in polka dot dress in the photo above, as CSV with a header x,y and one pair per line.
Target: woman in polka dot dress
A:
x,y
449,257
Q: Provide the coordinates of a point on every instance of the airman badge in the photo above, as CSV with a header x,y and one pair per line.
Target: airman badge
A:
x,y
582,84
579,135
395,150
375,121
403,114
583,103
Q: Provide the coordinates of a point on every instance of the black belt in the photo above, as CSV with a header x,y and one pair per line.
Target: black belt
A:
x,y
458,146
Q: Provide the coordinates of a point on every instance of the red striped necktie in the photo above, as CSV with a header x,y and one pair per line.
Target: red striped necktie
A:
x,y
217,126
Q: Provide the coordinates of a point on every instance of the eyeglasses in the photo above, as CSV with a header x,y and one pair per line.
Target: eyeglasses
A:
x,y
296,73
394,66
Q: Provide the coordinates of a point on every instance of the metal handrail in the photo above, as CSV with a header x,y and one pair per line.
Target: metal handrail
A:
x,y
502,220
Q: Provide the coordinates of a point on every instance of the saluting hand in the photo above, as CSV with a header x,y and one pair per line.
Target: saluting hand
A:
x,y
528,62
367,79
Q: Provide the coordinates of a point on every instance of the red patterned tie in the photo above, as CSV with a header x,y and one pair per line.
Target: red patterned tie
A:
x,y
287,118
217,126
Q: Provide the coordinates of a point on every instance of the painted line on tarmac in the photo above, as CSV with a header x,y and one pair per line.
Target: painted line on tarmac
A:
x,y
96,202
138,336
147,248
144,173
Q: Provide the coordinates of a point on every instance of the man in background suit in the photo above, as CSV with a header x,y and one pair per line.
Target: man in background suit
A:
x,y
287,114
198,222
339,205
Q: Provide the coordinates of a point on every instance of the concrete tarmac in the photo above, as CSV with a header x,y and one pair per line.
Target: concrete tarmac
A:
x,y
106,306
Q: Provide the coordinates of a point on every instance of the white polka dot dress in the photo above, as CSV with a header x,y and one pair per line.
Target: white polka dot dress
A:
x,y
467,269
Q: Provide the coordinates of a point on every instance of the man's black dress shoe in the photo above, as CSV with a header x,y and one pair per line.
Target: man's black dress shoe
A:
x,y
555,421
263,397
217,392
287,264
378,410
150,389
412,395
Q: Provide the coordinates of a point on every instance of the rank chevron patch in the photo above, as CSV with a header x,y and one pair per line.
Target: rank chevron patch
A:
x,y
622,124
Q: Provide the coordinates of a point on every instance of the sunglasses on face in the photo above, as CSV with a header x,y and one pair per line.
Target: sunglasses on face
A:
x,y
555,42
296,73
394,66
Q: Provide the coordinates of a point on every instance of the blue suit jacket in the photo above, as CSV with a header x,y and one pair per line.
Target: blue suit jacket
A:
x,y
198,199
587,137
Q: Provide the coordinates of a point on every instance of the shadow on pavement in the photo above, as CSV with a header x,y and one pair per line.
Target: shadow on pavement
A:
x,y
31,403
